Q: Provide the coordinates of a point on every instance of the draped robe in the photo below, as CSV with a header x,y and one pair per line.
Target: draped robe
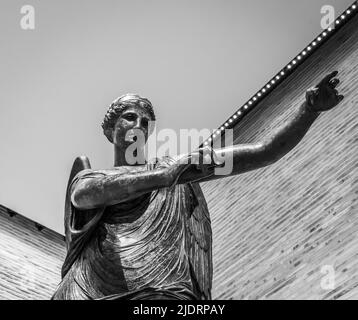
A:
x,y
156,246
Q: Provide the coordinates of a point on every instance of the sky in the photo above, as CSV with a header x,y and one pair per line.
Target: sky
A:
x,y
197,61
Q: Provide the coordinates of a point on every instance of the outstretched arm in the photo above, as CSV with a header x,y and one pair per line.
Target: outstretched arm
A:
x,y
108,187
248,157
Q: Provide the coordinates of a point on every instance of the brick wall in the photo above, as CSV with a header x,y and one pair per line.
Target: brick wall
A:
x,y
30,260
275,229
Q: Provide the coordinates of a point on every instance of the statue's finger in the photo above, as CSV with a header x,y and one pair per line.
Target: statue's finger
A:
x,y
327,78
312,92
205,153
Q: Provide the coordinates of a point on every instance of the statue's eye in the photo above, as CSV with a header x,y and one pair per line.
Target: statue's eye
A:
x,y
145,123
129,116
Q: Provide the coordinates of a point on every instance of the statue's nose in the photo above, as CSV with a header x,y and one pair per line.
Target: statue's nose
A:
x,y
138,123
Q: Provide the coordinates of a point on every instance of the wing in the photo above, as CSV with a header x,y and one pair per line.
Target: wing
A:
x,y
79,164
78,227
199,242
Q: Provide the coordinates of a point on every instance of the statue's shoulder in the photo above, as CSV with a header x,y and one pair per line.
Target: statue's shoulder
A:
x,y
97,173
87,174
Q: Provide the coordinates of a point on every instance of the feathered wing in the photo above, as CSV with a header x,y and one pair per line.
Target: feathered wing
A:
x,y
78,227
80,163
199,242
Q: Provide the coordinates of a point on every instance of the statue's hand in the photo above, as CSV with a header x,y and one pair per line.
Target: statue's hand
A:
x,y
325,95
176,169
206,159
203,160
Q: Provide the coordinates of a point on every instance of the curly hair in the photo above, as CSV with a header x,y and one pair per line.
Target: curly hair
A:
x,y
118,106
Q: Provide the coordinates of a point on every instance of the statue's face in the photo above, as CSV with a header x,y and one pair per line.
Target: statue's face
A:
x,y
133,118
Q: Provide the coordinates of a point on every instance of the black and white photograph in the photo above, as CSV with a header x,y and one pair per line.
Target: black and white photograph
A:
x,y
194,151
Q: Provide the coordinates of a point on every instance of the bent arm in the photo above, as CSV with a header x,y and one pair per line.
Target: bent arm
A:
x,y
247,157
108,187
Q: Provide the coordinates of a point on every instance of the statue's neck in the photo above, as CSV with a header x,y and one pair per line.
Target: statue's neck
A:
x,y
120,158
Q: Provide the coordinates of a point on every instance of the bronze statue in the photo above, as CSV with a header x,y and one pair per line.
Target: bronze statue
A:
x,y
143,231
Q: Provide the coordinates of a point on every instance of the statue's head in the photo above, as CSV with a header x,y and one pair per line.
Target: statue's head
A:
x,y
127,113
